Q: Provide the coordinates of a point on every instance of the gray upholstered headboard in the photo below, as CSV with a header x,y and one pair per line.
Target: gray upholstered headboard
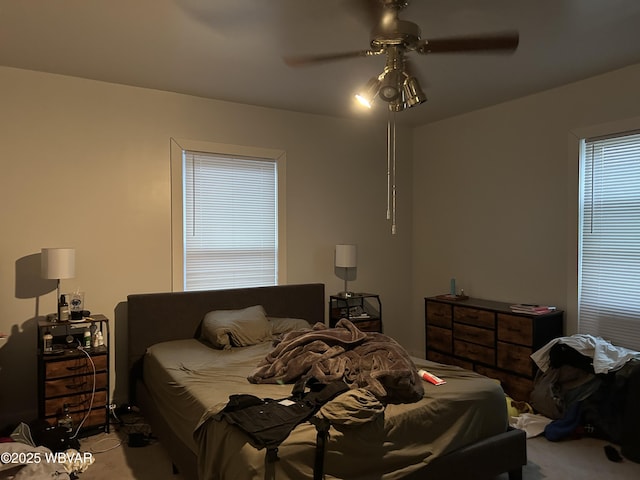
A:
x,y
159,317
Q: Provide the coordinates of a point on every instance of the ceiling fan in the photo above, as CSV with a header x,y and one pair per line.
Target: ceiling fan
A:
x,y
396,38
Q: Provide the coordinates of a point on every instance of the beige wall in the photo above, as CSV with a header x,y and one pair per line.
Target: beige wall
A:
x,y
488,197
86,164
495,193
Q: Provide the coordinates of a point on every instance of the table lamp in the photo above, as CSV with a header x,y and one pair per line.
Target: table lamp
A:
x,y
58,263
346,258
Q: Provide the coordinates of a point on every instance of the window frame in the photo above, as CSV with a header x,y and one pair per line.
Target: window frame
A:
x,y
574,198
178,146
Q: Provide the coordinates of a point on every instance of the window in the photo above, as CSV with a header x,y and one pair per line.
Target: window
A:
x,y
226,216
609,247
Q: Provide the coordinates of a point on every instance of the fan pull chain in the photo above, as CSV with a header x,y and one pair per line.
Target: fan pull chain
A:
x,y
391,170
389,167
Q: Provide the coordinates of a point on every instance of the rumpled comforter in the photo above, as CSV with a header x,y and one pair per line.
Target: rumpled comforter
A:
x,y
372,361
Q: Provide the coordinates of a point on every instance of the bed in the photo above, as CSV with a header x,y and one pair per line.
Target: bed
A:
x,y
458,430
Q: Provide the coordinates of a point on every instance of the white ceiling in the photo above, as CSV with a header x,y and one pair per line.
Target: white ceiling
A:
x,y
232,49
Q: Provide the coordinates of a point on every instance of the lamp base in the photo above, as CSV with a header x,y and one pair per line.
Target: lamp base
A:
x,y
346,294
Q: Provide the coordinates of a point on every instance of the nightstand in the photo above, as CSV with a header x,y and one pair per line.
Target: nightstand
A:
x,y
72,376
364,310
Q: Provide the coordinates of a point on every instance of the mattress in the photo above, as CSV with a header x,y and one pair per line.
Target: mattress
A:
x,y
191,382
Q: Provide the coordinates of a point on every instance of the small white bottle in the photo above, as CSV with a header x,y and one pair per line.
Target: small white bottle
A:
x,y
98,340
47,342
87,338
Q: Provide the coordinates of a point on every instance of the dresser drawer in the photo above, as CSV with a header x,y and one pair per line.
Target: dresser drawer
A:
x,y
474,352
368,325
515,358
439,314
72,385
473,334
53,406
515,329
474,316
74,366
440,339
518,388
97,416
448,359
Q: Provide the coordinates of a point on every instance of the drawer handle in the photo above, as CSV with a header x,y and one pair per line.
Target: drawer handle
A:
x,y
77,367
76,386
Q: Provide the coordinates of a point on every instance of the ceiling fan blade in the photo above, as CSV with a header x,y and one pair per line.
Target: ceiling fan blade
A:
x,y
504,42
304,60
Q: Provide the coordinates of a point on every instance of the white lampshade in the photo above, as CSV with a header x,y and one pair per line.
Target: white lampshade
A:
x,y
346,256
58,263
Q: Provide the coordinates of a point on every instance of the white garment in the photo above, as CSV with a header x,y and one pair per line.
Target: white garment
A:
x,y
606,356
533,424
34,459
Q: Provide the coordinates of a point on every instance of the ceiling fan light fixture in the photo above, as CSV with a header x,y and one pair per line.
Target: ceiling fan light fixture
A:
x,y
397,105
369,92
391,86
413,94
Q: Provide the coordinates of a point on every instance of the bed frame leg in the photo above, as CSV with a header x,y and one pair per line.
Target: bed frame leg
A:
x,y
175,470
515,474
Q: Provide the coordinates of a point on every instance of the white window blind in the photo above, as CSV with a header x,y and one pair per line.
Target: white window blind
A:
x,y
230,221
609,267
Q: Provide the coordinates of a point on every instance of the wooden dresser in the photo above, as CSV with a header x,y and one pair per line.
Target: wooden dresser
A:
x,y
68,379
73,377
487,337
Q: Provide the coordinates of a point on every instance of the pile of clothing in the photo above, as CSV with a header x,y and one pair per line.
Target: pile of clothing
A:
x,y
24,458
586,385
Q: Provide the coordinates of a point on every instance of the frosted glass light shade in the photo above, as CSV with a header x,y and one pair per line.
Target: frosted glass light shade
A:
x,y
58,263
346,256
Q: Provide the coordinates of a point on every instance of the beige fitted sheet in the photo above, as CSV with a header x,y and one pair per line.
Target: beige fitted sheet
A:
x,y
191,382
